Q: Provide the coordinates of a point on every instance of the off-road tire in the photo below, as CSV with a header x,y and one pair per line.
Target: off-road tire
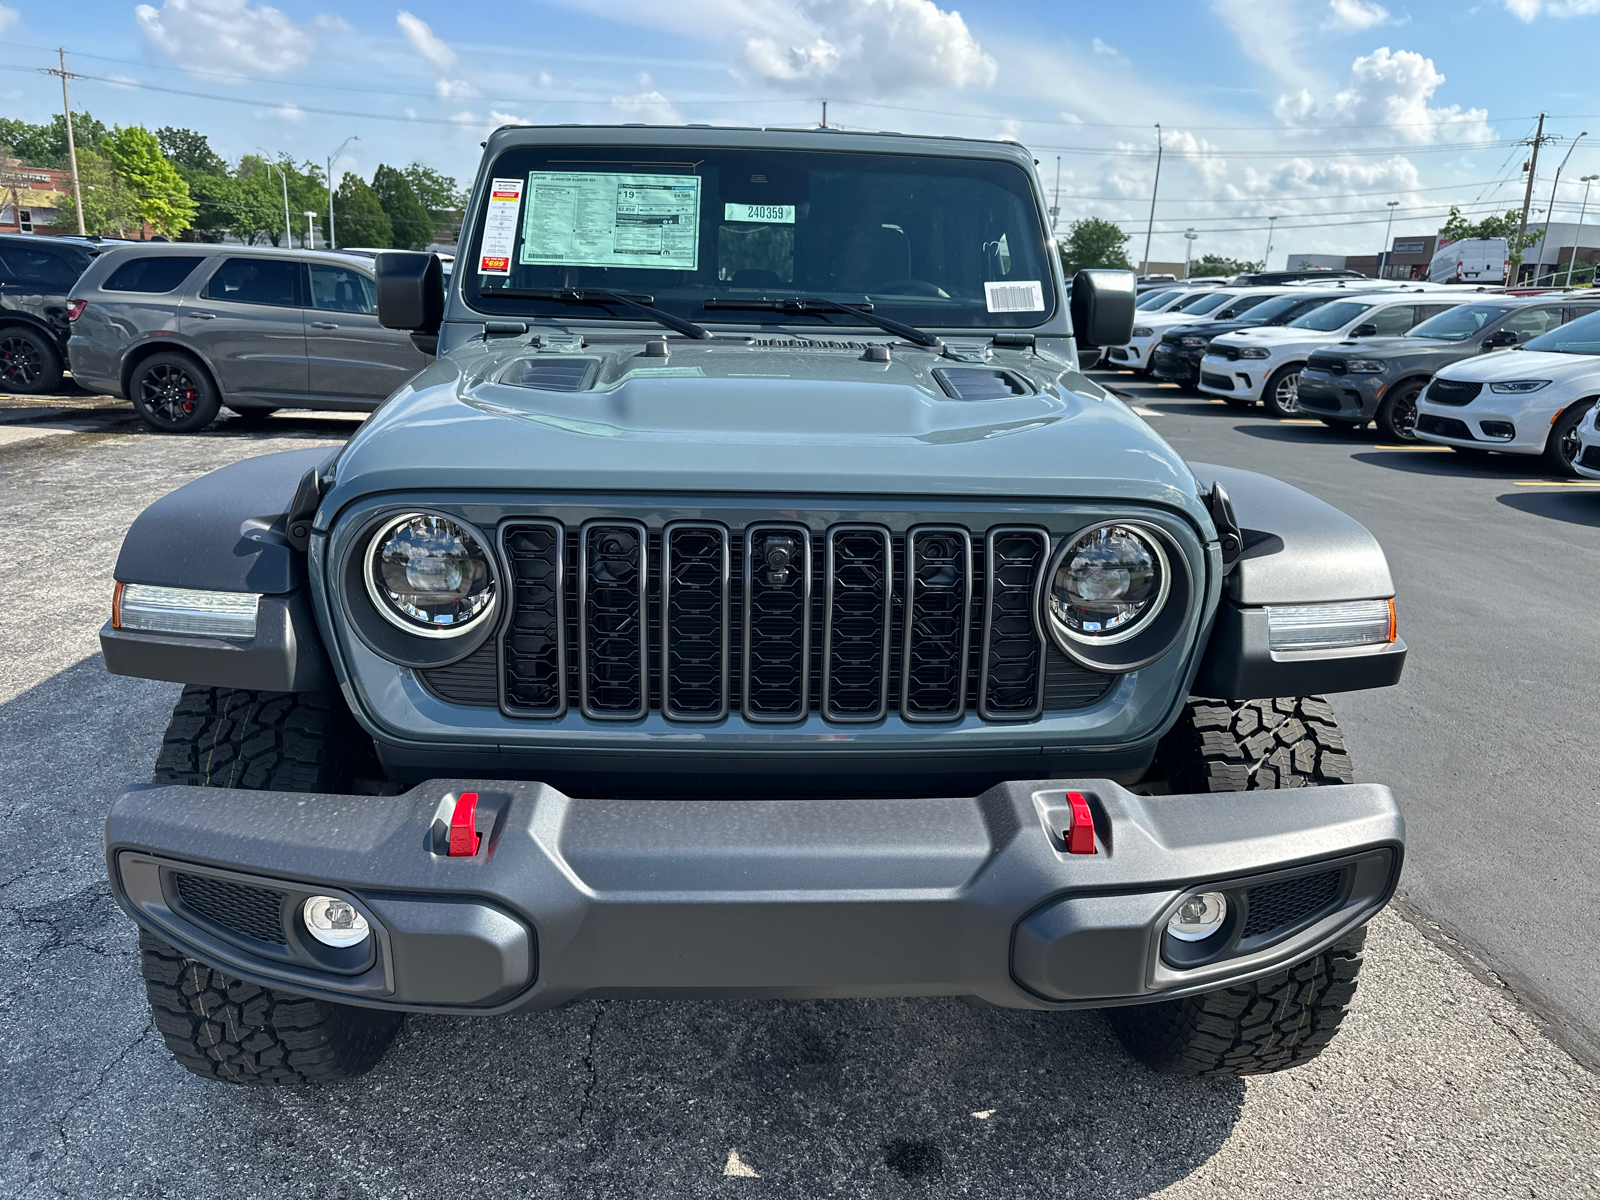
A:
x,y
223,1028
1397,414
1269,1024
30,361
1286,404
217,1026
1223,746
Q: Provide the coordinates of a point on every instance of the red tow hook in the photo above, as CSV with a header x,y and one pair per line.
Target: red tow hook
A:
x,y
463,827
1079,836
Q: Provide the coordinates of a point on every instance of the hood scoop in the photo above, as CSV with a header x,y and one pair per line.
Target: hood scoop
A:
x,y
981,383
551,374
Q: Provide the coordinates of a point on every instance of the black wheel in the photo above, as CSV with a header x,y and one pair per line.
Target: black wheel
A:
x,y
173,394
30,364
1222,746
1397,415
1266,1025
253,416
217,1026
1561,447
1281,396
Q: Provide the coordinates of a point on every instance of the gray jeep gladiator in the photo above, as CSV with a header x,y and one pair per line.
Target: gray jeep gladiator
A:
x,y
752,599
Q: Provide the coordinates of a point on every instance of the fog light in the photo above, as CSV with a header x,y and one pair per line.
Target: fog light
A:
x,y
335,922
1198,917
1498,429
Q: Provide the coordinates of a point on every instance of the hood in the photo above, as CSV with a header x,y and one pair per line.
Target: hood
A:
x,y
1209,329
1502,365
1271,335
1386,347
759,415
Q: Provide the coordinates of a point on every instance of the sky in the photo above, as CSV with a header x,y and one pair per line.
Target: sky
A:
x,y
1313,112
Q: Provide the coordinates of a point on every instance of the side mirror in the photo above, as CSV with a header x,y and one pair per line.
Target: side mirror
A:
x,y
1501,337
1102,308
1367,330
410,291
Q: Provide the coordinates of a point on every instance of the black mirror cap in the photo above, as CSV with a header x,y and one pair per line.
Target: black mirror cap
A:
x,y
1501,337
410,291
1368,330
1102,308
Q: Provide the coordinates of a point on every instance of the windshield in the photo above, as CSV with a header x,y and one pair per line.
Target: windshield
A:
x,y
1329,317
1581,336
1204,303
1280,310
1460,323
922,240
1155,299
1242,305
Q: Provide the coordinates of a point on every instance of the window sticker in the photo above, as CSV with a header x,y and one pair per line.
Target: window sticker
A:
x,y
500,227
605,220
759,214
1025,295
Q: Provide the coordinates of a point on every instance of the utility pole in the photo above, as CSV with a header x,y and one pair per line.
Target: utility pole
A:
x,y
1154,190
1383,255
72,149
1055,210
1536,141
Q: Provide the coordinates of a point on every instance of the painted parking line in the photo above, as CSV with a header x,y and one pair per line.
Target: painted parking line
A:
x,y
1585,483
1445,449
1290,421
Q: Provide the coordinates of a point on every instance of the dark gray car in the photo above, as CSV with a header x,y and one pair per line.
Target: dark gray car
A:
x,y
181,330
36,273
1350,383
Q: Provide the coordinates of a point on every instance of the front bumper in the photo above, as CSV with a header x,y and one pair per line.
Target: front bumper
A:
x,y
1239,378
569,898
1349,397
1175,364
1485,421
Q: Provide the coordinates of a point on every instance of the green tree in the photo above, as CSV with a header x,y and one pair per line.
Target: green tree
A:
x,y
160,195
438,192
1093,242
110,209
190,152
413,228
359,219
46,145
1215,264
221,206
260,201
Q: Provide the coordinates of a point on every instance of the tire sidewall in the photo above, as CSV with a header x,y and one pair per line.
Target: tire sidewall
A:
x,y
207,402
1269,394
1555,461
1410,392
50,365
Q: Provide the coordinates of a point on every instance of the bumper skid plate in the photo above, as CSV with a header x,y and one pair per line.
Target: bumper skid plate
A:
x,y
567,898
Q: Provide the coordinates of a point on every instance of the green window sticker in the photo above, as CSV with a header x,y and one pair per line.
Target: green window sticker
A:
x,y
612,220
759,214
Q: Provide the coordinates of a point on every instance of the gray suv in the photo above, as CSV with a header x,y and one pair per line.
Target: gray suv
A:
x,y
1350,383
181,330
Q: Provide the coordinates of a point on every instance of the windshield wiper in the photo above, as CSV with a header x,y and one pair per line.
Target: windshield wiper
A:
x,y
805,304
632,302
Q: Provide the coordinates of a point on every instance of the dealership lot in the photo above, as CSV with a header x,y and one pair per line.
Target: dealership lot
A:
x,y
1443,1083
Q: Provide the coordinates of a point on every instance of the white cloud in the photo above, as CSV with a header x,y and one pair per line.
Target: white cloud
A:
x,y
8,18
289,112
1527,10
1388,88
425,42
453,89
1267,32
647,104
890,45
227,33
1101,48
1352,16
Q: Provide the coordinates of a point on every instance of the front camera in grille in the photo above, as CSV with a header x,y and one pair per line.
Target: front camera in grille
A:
x,y
777,622
613,620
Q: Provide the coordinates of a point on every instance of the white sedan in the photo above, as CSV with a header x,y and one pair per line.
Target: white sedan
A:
x,y
1536,399
1264,364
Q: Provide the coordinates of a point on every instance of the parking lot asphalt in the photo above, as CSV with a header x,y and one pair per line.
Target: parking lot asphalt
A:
x,y
1442,1084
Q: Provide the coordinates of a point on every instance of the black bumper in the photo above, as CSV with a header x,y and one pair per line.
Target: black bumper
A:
x,y
570,898
1176,366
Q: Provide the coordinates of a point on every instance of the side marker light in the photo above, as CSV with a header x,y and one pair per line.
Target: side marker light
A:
x,y
1080,836
463,834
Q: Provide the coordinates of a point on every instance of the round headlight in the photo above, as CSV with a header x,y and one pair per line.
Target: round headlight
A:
x,y
1198,917
1108,584
429,575
334,922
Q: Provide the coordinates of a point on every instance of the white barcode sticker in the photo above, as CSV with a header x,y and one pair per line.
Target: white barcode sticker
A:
x,y
1025,295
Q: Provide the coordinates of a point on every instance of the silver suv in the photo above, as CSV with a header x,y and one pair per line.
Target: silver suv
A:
x,y
181,330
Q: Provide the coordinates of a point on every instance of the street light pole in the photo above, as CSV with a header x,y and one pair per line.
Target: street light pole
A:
x,y
1552,209
1383,255
1188,250
1271,224
311,230
332,158
1156,188
1577,240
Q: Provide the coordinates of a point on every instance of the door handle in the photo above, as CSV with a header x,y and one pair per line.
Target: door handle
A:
x,y
204,316
324,325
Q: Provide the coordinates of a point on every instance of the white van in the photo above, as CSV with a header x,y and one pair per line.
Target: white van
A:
x,y
1471,260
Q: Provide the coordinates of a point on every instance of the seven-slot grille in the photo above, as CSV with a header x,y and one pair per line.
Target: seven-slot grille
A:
x,y
776,621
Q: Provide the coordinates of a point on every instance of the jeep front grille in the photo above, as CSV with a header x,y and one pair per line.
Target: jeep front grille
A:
x,y
775,621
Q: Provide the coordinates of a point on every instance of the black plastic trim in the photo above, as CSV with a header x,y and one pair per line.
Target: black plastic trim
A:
x,y
1239,663
724,619
286,654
